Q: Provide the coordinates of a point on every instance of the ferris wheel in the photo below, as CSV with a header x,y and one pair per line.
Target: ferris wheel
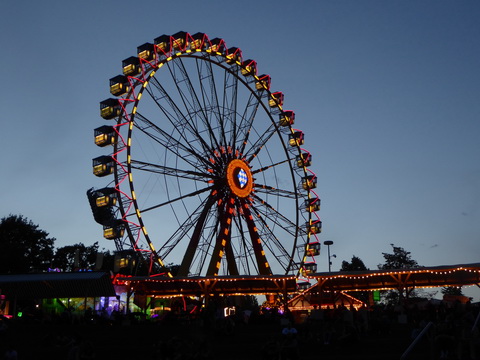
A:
x,y
207,170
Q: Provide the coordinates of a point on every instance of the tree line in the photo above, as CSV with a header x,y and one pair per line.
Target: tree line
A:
x,y
25,248
398,259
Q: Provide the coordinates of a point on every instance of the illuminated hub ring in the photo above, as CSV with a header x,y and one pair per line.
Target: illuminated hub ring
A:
x,y
239,178
206,158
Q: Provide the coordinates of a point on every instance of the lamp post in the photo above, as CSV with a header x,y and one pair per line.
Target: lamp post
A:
x,y
328,243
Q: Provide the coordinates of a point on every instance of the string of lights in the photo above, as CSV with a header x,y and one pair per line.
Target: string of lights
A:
x,y
396,272
426,277
371,280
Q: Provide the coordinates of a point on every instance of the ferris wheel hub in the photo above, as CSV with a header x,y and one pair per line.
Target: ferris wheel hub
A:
x,y
239,178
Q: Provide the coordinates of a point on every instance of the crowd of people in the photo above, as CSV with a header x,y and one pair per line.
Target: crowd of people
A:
x,y
447,331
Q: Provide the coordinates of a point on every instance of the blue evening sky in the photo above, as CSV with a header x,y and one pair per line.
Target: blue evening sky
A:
x,y
387,93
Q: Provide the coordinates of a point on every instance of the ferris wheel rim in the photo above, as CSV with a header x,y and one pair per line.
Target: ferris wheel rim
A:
x,y
123,117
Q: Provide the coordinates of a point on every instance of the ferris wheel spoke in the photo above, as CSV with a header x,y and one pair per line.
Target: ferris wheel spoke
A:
x,y
191,101
181,122
208,109
275,191
182,231
276,217
229,108
169,143
244,129
217,109
209,98
180,198
170,171
272,243
206,245
270,166
175,119
260,143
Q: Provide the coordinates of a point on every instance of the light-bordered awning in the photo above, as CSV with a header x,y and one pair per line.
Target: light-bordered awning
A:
x,y
420,277
214,285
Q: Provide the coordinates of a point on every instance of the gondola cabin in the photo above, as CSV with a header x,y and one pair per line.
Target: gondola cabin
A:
x,y
180,40
312,205
296,139
106,200
119,85
124,259
146,52
199,41
309,182
104,135
106,197
103,166
303,285
131,66
287,118
234,54
304,160
163,44
310,267
276,99
110,108
314,227
313,249
263,82
217,45
249,67
114,232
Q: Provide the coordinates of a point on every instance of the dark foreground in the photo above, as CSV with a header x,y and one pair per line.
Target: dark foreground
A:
x,y
261,338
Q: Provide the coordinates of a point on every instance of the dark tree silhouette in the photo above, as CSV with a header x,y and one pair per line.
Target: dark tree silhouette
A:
x,y
81,257
355,265
75,257
399,259
452,290
25,247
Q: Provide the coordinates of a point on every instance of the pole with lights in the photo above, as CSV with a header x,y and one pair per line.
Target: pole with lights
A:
x,y
328,243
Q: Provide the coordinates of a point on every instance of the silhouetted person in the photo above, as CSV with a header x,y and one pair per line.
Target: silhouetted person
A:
x,y
289,342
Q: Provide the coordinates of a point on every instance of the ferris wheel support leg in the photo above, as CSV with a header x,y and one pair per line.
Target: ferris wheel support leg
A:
x,y
230,256
223,238
262,263
195,239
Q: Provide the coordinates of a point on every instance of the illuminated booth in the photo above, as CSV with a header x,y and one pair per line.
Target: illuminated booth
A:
x,y
331,288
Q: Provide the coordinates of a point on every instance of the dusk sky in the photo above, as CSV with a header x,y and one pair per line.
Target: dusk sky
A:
x,y
387,93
